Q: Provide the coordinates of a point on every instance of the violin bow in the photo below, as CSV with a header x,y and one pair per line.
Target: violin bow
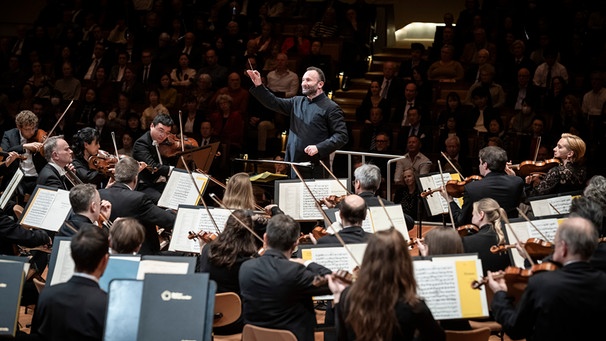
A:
x,y
115,145
533,225
59,120
181,130
515,235
554,208
325,216
447,203
334,177
231,212
452,165
200,195
536,152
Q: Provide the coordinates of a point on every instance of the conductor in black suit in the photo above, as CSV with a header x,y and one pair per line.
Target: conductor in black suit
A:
x,y
75,310
504,188
126,202
353,212
147,149
276,291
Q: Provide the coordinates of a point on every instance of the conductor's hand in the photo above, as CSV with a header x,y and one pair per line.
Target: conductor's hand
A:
x,y
255,77
311,150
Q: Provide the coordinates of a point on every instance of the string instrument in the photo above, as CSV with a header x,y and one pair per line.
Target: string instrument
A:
x,y
206,237
75,180
527,168
4,154
514,275
40,136
454,188
413,242
468,229
172,145
342,275
335,199
318,232
535,247
103,162
496,249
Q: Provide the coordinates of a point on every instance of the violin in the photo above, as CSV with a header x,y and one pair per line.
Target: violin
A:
x,y
496,249
342,275
454,188
334,200
40,136
535,247
468,229
514,275
318,232
534,167
206,237
4,154
413,242
172,145
103,162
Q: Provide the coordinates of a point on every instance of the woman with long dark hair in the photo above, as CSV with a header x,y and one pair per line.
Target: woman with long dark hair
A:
x,y
85,144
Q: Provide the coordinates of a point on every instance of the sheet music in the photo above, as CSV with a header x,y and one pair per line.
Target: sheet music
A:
x,y
180,190
380,220
288,191
195,219
10,188
47,210
160,267
551,206
548,228
335,257
436,202
294,198
64,267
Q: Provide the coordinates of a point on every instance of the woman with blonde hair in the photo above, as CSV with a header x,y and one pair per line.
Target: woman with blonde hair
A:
x,y
239,192
569,175
382,304
487,216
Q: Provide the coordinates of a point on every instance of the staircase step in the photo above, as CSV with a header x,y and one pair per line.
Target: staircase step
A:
x,y
352,93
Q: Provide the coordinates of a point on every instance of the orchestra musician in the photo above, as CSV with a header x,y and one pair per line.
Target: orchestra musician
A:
x,y
277,291
223,257
317,126
87,207
567,176
127,202
352,211
146,149
22,140
589,208
58,156
85,144
506,189
382,304
566,304
126,236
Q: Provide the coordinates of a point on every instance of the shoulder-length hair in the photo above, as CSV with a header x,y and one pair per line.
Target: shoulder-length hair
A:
x,y
239,192
235,241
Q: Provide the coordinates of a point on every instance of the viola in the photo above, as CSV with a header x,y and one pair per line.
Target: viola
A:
x,y
206,237
514,275
342,275
454,188
103,162
538,248
172,145
534,167
468,229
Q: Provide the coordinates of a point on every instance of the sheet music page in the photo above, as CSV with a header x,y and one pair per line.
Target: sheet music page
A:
x,y
64,267
180,190
11,187
320,189
220,215
335,258
38,208
289,192
548,228
160,267
60,209
188,219
381,220
522,230
437,204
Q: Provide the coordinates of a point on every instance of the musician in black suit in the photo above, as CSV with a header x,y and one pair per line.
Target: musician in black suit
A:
x,y
352,210
59,155
148,72
75,310
504,188
276,292
126,202
20,140
87,207
555,303
146,149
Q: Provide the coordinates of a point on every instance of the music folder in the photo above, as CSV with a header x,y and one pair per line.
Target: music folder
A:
x,y
175,307
123,309
180,189
11,286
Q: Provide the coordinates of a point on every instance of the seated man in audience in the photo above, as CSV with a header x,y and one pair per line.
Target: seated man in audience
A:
x,y
87,208
75,310
126,202
276,291
414,158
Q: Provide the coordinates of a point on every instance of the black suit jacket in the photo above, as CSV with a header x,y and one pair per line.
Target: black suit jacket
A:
x,y
49,176
144,150
153,78
128,203
553,303
349,234
11,142
481,242
505,189
276,293
75,222
11,232
74,310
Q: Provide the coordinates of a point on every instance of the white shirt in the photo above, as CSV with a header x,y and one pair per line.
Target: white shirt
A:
x,y
593,102
27,165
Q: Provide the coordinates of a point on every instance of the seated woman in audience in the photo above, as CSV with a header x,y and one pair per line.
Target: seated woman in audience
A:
x,y
408,196
569,175
154,108
446,68
372,100
85,144
382,304
222,259
183,75
168,94
228,124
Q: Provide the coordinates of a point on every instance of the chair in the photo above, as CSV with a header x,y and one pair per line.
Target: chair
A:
x,y
254,333
228,308
481,334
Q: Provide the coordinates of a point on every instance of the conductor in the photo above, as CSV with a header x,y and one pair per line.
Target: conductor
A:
x,y
317,126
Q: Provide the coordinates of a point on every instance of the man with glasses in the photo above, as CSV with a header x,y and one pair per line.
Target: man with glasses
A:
x,y
146,149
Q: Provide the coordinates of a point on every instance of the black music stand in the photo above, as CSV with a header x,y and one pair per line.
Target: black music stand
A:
x,y
198,158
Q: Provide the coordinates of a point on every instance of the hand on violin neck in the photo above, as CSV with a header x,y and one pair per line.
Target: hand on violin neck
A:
x,y
496,284
445,194
33,147
336,286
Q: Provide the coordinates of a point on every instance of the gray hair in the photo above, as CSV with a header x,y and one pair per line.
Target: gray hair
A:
x,y
50,145
596,190
127,170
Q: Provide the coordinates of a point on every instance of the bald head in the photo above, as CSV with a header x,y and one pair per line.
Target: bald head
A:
x,y
352,210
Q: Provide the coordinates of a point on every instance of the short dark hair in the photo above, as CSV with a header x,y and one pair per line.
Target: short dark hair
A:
x,y
282,232
319,71
89,245
126,235
164,119
81,196
126,170
495,158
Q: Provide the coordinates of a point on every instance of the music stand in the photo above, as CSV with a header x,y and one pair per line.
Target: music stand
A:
x,y
202,157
